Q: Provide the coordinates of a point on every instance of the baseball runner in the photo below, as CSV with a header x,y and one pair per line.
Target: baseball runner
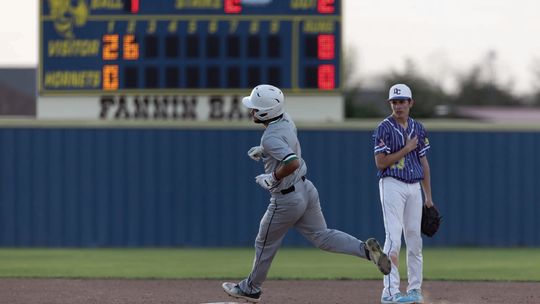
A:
x,y
400,147
294,200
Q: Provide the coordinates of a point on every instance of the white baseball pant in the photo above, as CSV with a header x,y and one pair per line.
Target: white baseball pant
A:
x,y
402,212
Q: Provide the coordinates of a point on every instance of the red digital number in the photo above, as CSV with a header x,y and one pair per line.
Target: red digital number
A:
x,y
232,6
326,47
325,6
326,77
134,6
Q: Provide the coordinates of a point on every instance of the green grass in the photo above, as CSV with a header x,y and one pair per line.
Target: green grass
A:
x,y
519,264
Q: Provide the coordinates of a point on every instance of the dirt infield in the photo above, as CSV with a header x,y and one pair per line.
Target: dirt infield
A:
x,y
75,291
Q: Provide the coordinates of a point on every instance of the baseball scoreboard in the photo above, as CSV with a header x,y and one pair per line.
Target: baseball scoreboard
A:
x,y
97,47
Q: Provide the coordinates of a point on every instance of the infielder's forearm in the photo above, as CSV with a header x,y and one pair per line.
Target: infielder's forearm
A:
x,y
383,161
426,182
287,169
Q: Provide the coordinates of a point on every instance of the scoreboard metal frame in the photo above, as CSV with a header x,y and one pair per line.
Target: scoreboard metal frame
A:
x,y
98,47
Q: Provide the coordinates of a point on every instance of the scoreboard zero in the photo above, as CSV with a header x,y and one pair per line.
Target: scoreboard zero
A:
x,y
96,47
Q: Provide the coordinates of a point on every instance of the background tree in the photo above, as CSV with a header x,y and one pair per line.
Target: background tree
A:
x,y
477,87
534,99
480,86
356,104
473,90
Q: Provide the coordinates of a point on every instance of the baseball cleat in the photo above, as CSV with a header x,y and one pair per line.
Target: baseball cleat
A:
x,y
397,298
378,257
416,295
233,290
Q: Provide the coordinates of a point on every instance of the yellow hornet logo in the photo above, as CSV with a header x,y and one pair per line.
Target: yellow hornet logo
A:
x,y
67,14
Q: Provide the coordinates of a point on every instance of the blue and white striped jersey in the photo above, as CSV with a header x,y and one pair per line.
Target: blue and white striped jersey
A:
x,y
389,137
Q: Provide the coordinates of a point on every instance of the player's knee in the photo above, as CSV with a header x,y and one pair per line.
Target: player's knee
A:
x,y
259,240
321,244
392,245
412,232
393,252
394,257
414,246
416,251
320,241
262,241
413,240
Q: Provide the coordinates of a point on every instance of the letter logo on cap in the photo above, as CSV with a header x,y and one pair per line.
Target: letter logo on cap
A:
x,y
397,91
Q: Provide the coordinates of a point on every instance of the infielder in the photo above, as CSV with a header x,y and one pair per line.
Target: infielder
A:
x,y
294,200
400,146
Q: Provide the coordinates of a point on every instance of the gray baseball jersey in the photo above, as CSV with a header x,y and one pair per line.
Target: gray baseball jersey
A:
x,y
280,144
294,203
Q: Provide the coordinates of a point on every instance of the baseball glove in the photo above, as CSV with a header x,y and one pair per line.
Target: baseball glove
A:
x,y
431,220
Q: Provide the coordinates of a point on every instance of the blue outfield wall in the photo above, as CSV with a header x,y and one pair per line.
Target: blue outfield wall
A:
x,y
95,187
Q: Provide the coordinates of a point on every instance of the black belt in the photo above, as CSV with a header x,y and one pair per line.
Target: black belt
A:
x,y
291,188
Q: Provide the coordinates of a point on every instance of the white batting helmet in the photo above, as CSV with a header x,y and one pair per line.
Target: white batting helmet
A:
x,y
267,100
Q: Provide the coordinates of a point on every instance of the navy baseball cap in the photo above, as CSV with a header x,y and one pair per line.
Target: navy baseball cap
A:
x,y
399,91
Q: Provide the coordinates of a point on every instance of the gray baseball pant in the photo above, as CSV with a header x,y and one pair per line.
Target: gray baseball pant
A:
x,y
300,209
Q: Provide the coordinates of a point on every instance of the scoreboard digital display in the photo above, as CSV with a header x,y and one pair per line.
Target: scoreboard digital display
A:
x,y
97,47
